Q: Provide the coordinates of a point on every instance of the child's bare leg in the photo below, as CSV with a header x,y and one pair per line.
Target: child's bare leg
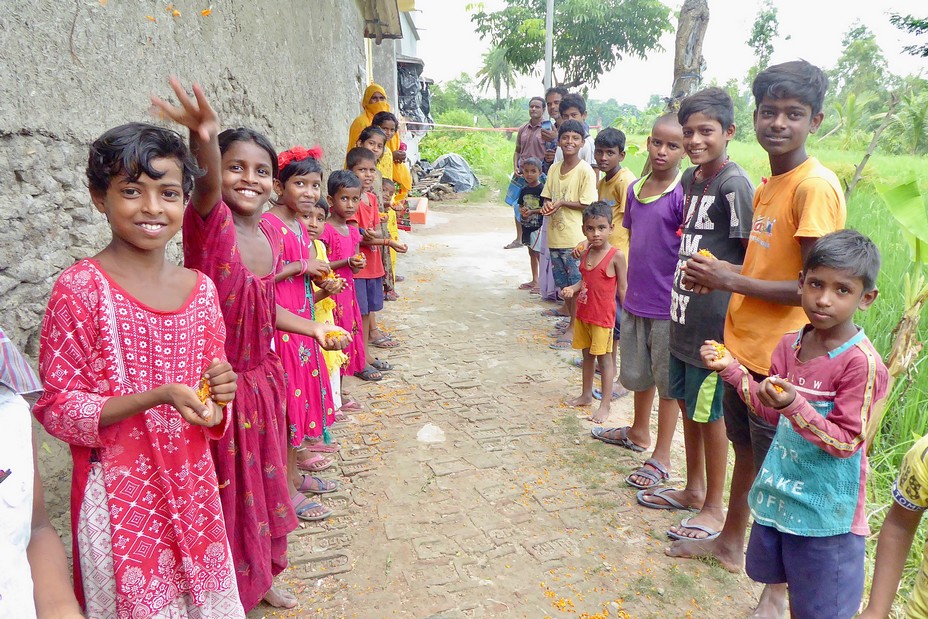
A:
x,y
607,365
571,304
714,445
617,387
667,413
693,495
533,260
586,397
640,431
366,333
292,471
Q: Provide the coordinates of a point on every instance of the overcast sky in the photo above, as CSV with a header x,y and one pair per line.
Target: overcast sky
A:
x,y
449,46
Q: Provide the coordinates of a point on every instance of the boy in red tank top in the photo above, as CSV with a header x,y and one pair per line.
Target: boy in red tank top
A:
x,y
602,270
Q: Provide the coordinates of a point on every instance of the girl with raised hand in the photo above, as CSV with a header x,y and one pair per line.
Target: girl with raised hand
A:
x,y
310,409
225,237
136,381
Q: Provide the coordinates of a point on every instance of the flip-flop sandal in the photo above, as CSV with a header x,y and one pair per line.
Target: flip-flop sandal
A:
x,y
653,470
512,245
553,313
391,295
535,291
399,278
350,405
598,394
314,464
562,323
525,286
557,333
341,417
321,447
381,365
623,440
369,373
385,342
686,524
561,345
304,505
317,485
578,363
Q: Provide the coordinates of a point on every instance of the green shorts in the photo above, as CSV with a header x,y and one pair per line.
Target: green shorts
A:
x,y
699,388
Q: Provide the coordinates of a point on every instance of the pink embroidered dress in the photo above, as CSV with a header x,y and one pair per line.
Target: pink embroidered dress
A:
x,y
251,459
149,535
347,313
310,409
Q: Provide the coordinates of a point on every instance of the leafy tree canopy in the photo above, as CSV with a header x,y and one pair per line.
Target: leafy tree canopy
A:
x,y
590,36
912,25
862,66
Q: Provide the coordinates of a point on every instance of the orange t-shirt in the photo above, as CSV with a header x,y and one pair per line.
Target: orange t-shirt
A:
x,y
806,202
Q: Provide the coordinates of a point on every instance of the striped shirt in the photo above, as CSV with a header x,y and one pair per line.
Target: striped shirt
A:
x,y
15,372
813,480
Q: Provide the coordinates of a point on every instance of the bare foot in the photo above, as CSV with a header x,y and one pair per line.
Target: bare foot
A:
x,y
683,497
601,414
703,519
772,604
280,598
581,401
732,559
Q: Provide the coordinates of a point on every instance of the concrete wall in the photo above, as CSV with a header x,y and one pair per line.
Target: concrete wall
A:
x,y
68,71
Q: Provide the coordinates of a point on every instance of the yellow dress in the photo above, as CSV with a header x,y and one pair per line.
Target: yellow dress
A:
x,y
324,313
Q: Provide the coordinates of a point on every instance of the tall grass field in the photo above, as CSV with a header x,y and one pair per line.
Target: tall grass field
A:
x,y
906,418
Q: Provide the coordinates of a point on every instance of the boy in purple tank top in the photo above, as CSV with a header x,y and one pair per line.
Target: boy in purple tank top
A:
x,y
602,271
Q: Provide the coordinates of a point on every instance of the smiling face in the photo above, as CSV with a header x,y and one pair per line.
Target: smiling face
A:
x,y
830,297
597,231
782,125
570,143
300,193
247,177
375,144
146,213
553,102
665,146
704,139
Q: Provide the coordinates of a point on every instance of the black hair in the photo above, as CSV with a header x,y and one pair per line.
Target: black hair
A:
x,y
324,205
243,134
382,117
358,154
387,179
130,149
535,161
542,99
556,89
574,126
598,209
846,250
572,100
371,131
798,78
610,137
343,179
300,168
713,102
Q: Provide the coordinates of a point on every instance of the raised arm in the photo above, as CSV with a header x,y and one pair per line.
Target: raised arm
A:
x,y
199,117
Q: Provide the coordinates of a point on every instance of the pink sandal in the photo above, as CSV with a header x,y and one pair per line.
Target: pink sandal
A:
x,y
321,447
314,464
351,405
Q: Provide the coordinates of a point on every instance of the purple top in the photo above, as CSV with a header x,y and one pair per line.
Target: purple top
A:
x,y
653,248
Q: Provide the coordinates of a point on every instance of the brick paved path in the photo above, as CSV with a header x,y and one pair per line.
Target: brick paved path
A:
x,y
517,513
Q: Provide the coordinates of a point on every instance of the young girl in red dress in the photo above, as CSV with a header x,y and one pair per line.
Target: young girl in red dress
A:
x,y
225,237
126,341
310,407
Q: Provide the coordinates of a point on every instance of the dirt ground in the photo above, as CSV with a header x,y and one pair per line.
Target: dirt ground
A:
x,y
518,512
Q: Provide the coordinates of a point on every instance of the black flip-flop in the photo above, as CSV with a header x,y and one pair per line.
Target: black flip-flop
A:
x,y
369,373
382,366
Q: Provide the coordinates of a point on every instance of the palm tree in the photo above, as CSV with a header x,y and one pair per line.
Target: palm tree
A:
x,y
853,119
496,73
912,122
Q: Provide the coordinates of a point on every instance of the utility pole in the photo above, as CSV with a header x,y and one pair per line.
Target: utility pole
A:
x,y
549,43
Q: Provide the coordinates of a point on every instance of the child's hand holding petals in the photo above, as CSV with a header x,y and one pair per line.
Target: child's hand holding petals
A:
x,y
567,293
714,360
332,338
223,381
399,248
776,392
185,401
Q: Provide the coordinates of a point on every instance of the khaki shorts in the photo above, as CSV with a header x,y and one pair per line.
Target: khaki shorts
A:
x,y
597,339
645,354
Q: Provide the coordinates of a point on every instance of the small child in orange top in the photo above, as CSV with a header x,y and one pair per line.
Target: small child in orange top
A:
x,y
602,271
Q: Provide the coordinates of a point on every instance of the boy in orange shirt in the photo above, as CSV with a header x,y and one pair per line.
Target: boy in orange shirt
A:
x,y
800,202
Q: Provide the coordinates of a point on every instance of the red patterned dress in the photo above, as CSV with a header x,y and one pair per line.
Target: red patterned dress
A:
x,y
309,395
347,313
251,459
149,536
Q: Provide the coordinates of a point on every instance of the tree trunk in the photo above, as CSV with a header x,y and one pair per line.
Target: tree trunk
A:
x,y
858,172
688,61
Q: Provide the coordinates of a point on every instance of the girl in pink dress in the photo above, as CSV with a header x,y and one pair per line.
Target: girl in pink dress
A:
x,y
225,237
310,407
342,245
126,341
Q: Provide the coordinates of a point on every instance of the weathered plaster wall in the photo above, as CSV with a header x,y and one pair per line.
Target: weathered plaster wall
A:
x,y
293,69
